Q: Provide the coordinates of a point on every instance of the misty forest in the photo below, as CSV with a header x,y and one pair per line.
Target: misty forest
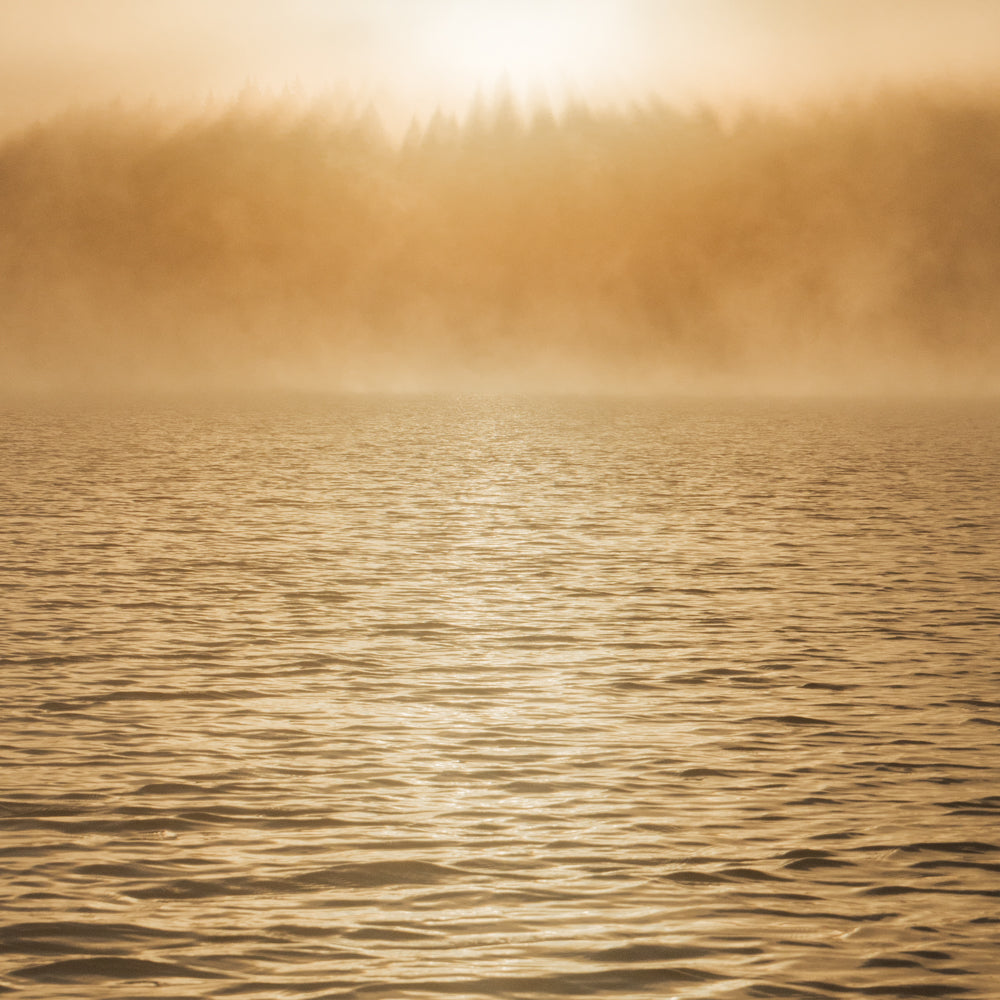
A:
x,y
853,245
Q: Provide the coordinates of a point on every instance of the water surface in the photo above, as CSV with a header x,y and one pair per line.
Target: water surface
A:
x,y
500,697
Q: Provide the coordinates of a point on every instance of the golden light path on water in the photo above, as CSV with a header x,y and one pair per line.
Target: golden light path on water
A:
x,y
367,698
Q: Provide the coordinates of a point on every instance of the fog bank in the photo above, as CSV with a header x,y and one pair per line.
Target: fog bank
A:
x,y
849,247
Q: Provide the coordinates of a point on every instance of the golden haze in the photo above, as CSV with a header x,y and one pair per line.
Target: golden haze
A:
x,y
589,222
412,56
850,247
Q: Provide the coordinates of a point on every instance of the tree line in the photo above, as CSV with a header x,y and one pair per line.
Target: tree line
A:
x,y
643,245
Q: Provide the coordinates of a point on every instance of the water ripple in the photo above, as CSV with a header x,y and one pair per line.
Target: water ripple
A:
x,y
500,697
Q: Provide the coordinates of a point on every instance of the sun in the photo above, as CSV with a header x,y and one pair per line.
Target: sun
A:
x,y
533,47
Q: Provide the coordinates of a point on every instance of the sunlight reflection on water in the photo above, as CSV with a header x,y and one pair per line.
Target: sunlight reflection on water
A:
x,y
501,697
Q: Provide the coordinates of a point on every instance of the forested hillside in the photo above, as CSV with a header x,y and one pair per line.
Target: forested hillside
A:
x,y
850,246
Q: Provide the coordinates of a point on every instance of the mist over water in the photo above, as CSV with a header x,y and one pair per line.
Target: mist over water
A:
x,y
844,247
421,697
416,580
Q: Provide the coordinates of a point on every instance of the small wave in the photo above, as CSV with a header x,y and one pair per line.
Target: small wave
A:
x,y
697,878
112,968
793,720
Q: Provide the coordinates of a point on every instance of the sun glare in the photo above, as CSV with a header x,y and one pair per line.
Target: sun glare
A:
x,y
535,49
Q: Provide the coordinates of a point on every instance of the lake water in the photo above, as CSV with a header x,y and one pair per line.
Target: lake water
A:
x,y
392,698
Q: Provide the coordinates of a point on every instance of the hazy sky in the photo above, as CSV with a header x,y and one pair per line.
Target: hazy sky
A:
x,y
413,54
